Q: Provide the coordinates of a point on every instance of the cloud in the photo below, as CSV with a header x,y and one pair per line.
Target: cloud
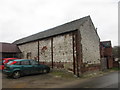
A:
x,y
21,18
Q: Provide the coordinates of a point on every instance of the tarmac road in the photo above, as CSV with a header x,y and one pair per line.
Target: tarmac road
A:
x,y
106,81
33,81
109,80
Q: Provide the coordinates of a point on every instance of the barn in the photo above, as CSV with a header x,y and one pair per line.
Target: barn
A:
x,y
73,46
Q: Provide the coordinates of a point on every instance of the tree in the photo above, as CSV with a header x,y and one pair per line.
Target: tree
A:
x,y
116,51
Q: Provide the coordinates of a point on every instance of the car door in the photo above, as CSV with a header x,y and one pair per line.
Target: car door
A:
x,y
35,66
41,68
26,68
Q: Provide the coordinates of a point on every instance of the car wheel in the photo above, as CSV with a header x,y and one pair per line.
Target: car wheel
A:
x,y
45,71
48,70
16,74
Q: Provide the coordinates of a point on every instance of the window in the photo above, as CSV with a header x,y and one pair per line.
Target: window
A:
x,y
10,62
33,62
28,55
17,63
25,63
106,45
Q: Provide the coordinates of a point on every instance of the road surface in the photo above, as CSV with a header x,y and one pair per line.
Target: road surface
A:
x,y
109,80
106,81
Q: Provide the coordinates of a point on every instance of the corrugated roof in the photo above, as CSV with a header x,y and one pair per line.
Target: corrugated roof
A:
x,y
9,48
70,26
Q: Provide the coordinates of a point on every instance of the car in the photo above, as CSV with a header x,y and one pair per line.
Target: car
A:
x,y
4,61
21,67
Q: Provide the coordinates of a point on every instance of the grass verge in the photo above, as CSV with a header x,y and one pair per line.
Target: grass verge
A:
x,y
63,74
115,68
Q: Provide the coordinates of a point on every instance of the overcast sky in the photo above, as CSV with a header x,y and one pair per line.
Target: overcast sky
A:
x,y
21,18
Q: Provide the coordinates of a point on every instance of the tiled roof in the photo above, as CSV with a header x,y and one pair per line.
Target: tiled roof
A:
x,y
68,27
9,48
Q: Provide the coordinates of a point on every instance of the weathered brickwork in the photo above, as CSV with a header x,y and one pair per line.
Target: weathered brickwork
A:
x,y
73,46
106,53
110,62
90,44
29,50
45,50
63,50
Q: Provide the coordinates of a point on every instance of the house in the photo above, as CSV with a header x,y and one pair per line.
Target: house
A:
x,y
106,54
73,46
9,50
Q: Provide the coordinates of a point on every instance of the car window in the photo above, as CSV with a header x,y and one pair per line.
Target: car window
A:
x,y
9,62
25,63
32,62
11,59
17,63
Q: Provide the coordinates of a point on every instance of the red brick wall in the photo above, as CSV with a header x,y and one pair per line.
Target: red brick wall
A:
x,y
102,51
90,68
110,62
108,51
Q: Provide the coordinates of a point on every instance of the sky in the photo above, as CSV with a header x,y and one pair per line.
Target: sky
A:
x,y
21,18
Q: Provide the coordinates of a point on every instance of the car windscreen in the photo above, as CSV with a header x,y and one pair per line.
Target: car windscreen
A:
x,y
3,61
10,62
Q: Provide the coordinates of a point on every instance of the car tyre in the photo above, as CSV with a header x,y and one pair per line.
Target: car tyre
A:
x,y
44,70
16,74
48,70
